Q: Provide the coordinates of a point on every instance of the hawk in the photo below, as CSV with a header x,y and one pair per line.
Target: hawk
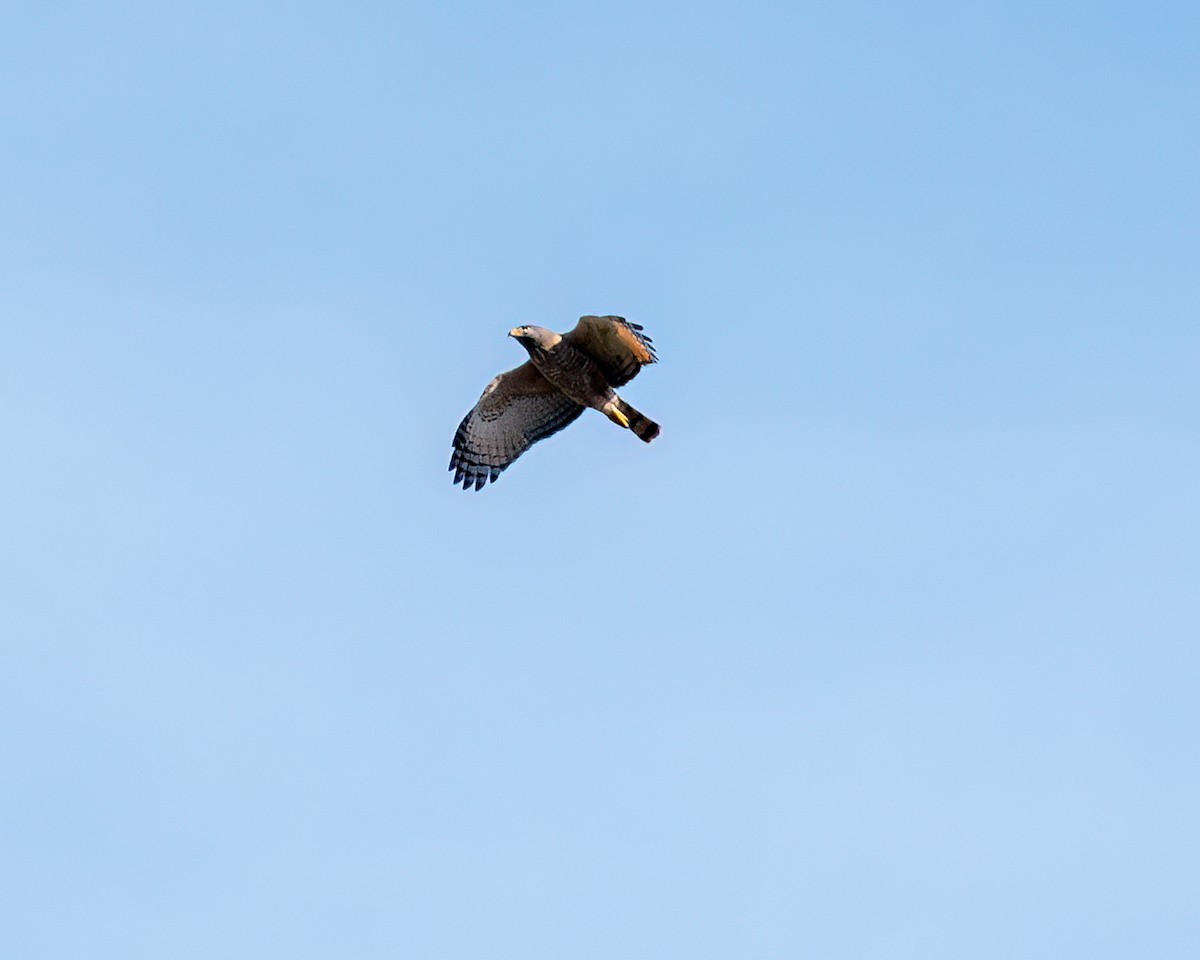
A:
x,y
564,374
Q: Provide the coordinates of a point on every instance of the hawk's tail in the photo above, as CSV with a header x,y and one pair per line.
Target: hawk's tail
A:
x,y
618,411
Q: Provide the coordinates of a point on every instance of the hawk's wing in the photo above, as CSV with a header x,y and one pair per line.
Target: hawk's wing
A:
x,y
617,346
517,409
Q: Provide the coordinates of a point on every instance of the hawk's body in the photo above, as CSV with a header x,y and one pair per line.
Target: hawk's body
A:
x,y
564,374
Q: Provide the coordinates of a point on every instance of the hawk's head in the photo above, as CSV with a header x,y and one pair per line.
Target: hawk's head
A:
x,y
535,337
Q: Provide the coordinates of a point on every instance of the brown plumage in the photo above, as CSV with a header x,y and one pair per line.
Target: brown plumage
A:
x,y
565,374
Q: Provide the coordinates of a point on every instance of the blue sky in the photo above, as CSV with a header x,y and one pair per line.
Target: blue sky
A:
x,y
885,648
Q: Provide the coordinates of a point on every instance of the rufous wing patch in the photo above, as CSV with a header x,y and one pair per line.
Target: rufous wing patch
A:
x,y
629,341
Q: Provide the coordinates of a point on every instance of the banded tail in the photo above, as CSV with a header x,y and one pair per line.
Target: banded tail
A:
x,y
619,412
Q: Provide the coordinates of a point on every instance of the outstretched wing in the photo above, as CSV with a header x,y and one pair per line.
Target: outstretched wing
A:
x,y
517,409
617,346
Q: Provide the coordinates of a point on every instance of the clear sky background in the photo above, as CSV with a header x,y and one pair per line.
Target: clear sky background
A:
x,y
887,647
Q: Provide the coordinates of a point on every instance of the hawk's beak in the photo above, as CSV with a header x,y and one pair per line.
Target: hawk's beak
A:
x,y
514,332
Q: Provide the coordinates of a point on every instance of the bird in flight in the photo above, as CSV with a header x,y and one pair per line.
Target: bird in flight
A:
x,y
564,374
